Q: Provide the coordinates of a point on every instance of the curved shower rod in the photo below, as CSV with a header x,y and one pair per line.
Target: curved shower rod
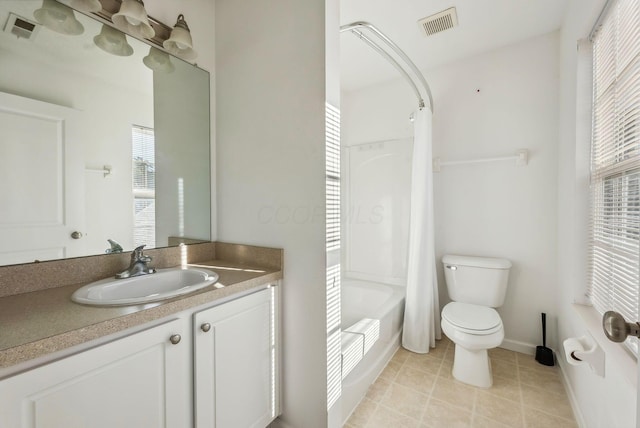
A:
x,y
356,27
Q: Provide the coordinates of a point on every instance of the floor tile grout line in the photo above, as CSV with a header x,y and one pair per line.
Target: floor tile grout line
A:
x,y
524,420
427,396
550,414
375,409
536,387
433,387
424,409
419,420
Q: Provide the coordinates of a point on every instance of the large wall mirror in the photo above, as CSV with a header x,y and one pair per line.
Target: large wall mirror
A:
x,y
94,144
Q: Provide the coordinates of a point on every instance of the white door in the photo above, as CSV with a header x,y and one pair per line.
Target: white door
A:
x,y
235,367
41,180
142,380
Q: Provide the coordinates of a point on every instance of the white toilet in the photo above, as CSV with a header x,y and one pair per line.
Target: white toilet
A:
x,y
476,285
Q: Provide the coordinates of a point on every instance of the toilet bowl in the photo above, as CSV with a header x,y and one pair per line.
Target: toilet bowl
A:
x,y
474,330
476,285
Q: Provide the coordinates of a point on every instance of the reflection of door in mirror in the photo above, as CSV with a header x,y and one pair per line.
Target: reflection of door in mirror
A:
x,y
40,175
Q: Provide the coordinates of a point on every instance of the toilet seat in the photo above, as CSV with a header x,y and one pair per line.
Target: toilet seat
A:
x,y
472,319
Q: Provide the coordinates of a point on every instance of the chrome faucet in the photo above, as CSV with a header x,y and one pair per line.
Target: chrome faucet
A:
x,y
138,265
115,247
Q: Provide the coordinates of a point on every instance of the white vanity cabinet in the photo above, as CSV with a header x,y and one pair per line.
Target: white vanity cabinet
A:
x,y
141,380
235,363
213,368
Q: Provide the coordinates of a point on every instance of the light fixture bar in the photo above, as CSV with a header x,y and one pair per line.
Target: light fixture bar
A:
x,y
111,7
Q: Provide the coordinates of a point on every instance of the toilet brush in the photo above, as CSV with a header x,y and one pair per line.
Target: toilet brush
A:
x,y
544,355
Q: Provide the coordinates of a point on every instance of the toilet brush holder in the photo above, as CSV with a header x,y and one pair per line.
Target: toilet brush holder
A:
x,y
544,355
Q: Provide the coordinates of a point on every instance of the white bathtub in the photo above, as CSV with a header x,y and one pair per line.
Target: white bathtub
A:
x,y
365,299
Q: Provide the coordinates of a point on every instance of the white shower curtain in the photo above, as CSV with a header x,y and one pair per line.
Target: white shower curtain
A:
x,y
422,310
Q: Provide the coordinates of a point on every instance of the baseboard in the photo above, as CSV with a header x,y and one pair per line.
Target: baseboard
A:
x,y
522,347
572,397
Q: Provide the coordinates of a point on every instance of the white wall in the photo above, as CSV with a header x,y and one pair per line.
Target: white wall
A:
x,y
608,401
486,106
270,77
493,105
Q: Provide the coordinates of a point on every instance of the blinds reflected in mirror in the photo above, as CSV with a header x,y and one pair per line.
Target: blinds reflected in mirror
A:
x,y
144,186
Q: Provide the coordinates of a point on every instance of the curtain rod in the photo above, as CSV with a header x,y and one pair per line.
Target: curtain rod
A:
x,y
603,14
354,28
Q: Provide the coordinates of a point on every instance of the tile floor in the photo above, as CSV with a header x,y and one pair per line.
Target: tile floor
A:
x,y
418,390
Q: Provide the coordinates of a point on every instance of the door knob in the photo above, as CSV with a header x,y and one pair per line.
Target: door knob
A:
x,y
175,339
205,327
76,235
616,328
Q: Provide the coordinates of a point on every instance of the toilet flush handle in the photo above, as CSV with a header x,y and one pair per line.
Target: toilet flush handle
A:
x,y
451,267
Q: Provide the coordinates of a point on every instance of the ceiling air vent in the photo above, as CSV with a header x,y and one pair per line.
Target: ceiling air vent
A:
x,y
21,27
439,22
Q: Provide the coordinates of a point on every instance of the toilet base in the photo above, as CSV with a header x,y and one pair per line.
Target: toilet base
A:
x,y
472,367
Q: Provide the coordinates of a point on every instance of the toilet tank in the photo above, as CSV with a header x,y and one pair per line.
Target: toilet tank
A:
x,y
476,280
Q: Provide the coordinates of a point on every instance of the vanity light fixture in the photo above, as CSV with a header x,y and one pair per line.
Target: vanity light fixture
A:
x,y
86,6
59,18
158,60
113,41
180,43
132,19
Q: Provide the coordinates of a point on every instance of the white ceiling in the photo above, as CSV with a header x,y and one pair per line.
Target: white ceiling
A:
x,y
483,25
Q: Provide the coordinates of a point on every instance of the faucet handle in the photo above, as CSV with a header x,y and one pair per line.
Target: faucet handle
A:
x,y
137,253
115,247
138,256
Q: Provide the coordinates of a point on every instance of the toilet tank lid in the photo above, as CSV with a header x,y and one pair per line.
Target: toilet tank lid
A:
x,y
471,261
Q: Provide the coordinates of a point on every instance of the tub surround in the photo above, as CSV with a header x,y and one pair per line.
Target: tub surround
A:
x,y
38,318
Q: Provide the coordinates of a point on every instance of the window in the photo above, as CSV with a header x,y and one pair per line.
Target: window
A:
x,y
332,199
614,259
144,186
333,176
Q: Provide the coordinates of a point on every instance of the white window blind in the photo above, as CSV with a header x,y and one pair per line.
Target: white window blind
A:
x,y
332,200
333,177
144,186
615,163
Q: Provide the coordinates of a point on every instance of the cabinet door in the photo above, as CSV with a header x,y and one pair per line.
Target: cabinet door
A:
x,y
235,367
142,380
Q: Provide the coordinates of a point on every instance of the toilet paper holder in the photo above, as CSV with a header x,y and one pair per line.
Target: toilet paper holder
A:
x,y
584,350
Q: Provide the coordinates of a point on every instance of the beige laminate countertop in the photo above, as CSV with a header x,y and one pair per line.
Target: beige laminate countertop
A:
x,y
40,323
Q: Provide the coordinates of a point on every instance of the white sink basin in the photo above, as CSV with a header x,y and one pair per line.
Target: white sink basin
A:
x,y
164,284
